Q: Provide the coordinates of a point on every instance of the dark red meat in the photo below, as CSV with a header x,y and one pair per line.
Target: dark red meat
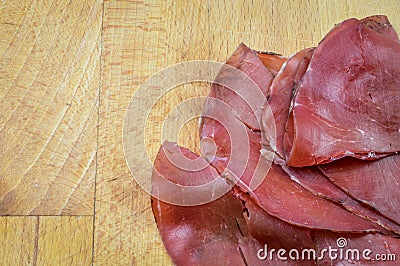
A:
x,y
170,183
219,128
376,183
220,231
346,104
272,231
207,234
279,100
199,234
272,61
281,181
243,85
282,197
272,189
317,183
279,196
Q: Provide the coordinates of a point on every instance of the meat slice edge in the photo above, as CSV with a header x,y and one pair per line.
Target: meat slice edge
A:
x,y
313,180
272,61
242,83
274,233
202,234
280,98
345,104
376,183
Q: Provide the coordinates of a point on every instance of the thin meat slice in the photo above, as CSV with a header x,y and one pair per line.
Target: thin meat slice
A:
x,y
242,83
313,180
235,152
275,192
376,183
272,188
273,232
279,100
272,61
281,197
346,104
381,25
220,130
269,229
202,234
170,182
351,249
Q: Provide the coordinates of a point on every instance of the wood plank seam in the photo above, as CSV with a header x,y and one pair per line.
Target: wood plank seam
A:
x,y
36,242
99,88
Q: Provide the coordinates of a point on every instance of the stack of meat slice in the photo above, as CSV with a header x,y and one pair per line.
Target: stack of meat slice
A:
x,y
318,161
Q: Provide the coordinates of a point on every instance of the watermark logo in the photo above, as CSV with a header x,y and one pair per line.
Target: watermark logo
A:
x,y
152,91
341,242
340,252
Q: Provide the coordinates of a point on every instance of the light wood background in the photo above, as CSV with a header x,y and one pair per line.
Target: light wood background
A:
x,y
68,70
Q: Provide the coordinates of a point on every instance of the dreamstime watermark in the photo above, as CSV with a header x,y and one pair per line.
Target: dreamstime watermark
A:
x,y
153,90
340,252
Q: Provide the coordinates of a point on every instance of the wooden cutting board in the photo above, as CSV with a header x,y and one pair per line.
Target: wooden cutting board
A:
x,y
68,70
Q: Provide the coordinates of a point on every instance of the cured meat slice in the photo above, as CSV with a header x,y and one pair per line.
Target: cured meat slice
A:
x,y
202,234
283,198
337,100
376,183
273,232
269,229
199,234
312,179
346,104
219,129
247,175
215,137
381,25
170,182
351,249
275,192
242,83
279,100
272,61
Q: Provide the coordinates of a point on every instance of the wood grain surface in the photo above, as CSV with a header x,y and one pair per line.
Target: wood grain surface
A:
x,y
68,71
45,240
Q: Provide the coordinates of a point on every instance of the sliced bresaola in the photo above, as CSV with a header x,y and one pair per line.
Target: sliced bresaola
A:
x,y
269,229
242,83
351,249
272,61
381,25
169,182
274,191
205,234
279,100
245,164
272,188
346,104
376,183
281,197
202,234
219,129
313,180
